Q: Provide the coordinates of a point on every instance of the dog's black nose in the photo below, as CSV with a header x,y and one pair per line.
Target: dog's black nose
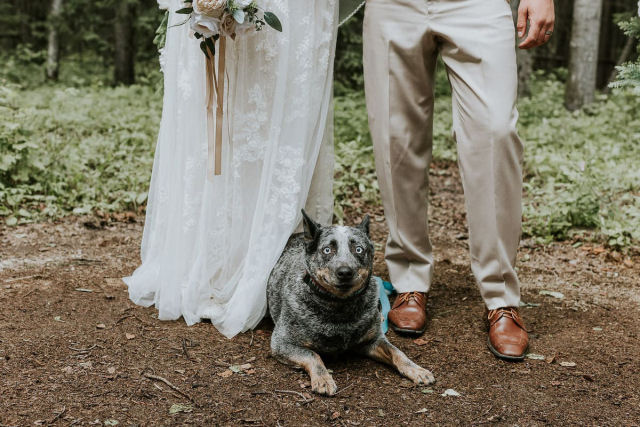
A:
x,y
344,273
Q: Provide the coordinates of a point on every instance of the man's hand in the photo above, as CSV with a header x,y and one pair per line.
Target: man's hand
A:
x,y
541,16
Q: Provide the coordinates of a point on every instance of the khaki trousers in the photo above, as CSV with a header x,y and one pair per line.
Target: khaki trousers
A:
x,y
476,39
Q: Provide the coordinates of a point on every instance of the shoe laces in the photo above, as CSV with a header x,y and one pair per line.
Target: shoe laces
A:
x,y
504,311
510,312
406,297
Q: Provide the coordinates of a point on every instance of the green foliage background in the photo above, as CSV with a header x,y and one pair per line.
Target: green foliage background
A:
x,y
86,33
82,145
629,73
71,150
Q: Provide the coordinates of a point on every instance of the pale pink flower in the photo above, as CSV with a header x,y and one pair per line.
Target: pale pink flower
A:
x,y
210,8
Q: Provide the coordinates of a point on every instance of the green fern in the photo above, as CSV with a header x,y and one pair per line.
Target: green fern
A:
x,y
629,73
628,76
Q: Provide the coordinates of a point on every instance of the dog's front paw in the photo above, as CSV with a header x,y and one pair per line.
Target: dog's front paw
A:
x,y
324,384
418,374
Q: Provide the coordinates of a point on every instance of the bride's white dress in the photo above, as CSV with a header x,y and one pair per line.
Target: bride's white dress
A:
x,y
209,246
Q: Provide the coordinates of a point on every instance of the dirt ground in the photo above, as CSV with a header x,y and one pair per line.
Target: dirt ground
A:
x,y
75,351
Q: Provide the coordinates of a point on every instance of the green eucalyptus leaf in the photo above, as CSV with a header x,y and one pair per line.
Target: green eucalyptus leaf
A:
x,y
211,45
203,47
272,20
185,11
161,32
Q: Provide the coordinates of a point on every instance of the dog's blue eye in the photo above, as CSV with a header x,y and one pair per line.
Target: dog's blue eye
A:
x,y
359,249
326,250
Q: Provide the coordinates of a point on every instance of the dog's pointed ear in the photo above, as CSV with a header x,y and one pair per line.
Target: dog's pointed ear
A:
x,y
364,225
311,228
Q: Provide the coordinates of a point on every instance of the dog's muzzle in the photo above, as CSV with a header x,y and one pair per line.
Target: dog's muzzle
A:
x,y
345,276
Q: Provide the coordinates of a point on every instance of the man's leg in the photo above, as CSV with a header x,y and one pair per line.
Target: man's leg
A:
x,y
478,48
399,64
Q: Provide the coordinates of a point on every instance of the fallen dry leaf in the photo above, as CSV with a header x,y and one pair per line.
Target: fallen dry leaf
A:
x,y
420,341
101,326
558,295
568,364
179,407
124,216
129,336
225,374
534,356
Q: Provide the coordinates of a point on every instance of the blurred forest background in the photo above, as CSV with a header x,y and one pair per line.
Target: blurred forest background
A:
x,y
81,95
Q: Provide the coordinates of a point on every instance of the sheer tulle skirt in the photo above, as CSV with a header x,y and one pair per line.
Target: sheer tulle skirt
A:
x,y
209,246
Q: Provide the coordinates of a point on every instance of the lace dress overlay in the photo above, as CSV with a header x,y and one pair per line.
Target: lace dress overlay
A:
x,y
208,247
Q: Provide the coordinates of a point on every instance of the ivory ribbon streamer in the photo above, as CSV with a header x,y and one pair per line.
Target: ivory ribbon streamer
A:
x,y
215,83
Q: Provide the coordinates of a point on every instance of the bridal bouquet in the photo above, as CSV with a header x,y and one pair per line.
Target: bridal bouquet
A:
x,y
212,21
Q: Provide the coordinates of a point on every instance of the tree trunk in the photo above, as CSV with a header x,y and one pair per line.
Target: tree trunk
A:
x,y
583,59
524,57
124,72
53,49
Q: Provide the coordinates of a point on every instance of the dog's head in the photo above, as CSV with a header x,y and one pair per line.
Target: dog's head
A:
x,y
338,259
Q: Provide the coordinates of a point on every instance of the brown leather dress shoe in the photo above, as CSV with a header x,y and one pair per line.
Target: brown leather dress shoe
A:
x,y
409,313
508,338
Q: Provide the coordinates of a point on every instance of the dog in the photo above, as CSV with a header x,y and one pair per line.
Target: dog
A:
x,y
323,300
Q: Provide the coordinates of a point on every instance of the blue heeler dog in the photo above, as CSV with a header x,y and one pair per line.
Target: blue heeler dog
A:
x,y
322,299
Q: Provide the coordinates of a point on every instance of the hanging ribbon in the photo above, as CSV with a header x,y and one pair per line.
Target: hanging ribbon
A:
x,y
215,84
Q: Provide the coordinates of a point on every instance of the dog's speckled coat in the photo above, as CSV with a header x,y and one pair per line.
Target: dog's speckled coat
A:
x,y
322,299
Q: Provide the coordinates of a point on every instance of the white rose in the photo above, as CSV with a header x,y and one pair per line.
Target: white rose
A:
x,y
205,25
211,8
